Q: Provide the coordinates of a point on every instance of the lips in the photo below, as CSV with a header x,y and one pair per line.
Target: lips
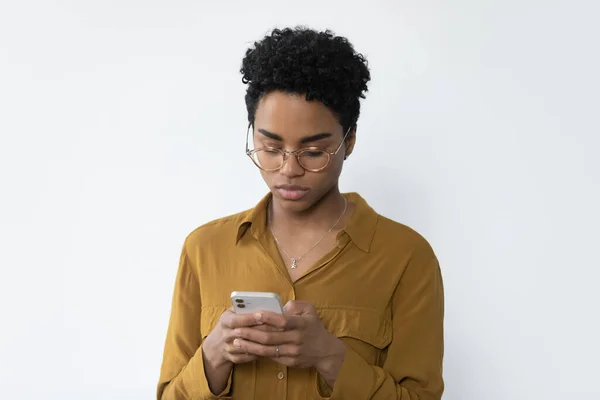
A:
x,y
291,192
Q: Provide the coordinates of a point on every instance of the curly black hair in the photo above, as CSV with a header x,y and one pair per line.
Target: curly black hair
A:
x,y
319,65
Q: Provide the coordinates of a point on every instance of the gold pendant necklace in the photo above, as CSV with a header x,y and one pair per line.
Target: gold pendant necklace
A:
x,y
296,259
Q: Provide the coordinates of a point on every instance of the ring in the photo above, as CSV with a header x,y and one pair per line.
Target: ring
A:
x,y
277,350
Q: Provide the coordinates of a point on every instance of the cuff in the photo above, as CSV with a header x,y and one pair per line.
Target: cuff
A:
x,y
190,382
355,379
225,393
323,388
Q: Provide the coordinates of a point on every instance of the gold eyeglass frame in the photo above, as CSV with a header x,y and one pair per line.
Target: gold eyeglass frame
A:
x,y
296,153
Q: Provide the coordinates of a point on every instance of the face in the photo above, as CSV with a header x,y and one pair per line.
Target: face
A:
x,y
289,122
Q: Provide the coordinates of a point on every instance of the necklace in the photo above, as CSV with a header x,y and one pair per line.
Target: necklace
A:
x,y
296,259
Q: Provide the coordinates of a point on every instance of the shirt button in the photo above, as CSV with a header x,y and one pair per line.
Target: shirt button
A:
x,y
280,376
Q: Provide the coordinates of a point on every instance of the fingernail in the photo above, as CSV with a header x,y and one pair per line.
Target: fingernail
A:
x,y
237,343
258,317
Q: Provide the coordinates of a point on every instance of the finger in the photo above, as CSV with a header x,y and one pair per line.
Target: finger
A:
x,y
291,322
231,320
256,349
237,356
277,320
287,361
232,351
230,334
289,355
267,338
267,328
243,359
298,307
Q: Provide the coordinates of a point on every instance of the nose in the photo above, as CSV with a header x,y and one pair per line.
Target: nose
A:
x,y
291,167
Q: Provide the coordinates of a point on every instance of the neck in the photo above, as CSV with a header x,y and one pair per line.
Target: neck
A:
x,y
320,216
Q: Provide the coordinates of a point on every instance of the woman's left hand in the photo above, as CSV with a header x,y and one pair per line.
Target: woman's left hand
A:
x,y
301,340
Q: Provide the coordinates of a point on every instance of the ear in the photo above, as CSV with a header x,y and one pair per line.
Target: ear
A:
x,y
350,141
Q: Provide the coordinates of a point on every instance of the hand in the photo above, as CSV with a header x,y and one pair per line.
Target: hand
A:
x,y
218,346
219,354
300,336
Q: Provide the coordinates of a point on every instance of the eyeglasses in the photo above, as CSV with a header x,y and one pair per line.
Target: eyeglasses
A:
x,y
312,159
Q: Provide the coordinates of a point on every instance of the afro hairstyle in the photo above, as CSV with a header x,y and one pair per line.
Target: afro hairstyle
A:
x,y
317,65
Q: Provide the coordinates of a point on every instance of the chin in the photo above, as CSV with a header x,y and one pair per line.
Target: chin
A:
x,y
299,205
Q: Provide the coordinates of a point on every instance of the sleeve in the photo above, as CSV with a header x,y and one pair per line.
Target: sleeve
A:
x,y
413,367
182,374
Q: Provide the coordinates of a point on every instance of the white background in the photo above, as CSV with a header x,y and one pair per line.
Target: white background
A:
x,y
122,129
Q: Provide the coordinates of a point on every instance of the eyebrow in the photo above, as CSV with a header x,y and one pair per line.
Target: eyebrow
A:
x,y
307,139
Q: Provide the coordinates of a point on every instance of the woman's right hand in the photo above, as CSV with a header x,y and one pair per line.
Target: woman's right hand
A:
x,y
218,346
219,353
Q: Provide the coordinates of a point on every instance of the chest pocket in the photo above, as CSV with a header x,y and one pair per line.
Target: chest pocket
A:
x,y
368,332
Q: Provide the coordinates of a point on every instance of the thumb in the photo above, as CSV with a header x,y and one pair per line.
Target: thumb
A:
x,y
295,307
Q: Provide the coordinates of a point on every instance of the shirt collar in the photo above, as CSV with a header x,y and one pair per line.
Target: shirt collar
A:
x,y
254,220
361,226
363,223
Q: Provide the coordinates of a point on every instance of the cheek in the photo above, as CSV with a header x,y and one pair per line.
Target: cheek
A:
x,y
328,176
265,175
335,168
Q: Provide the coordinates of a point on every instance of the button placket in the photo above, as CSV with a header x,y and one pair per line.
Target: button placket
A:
x,y
282,379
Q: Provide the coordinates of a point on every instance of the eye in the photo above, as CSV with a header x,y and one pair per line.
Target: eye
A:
x,y
313,153
271,151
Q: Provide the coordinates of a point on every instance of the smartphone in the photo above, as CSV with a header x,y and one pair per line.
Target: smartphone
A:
x,y
251,302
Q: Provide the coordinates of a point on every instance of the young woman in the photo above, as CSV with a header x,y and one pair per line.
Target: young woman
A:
x,y
363,295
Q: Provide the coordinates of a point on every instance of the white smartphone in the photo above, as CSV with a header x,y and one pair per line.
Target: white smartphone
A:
x,y
251,302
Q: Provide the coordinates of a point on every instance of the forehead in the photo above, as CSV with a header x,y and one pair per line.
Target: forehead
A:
x,y
291,115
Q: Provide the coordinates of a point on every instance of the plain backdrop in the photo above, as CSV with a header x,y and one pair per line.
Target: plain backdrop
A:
x,y
122,129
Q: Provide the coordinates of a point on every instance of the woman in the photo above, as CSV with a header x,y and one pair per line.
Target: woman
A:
x,y
363,295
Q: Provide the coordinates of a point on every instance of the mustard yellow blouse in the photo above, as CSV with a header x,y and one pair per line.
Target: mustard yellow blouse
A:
x,y
380,291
